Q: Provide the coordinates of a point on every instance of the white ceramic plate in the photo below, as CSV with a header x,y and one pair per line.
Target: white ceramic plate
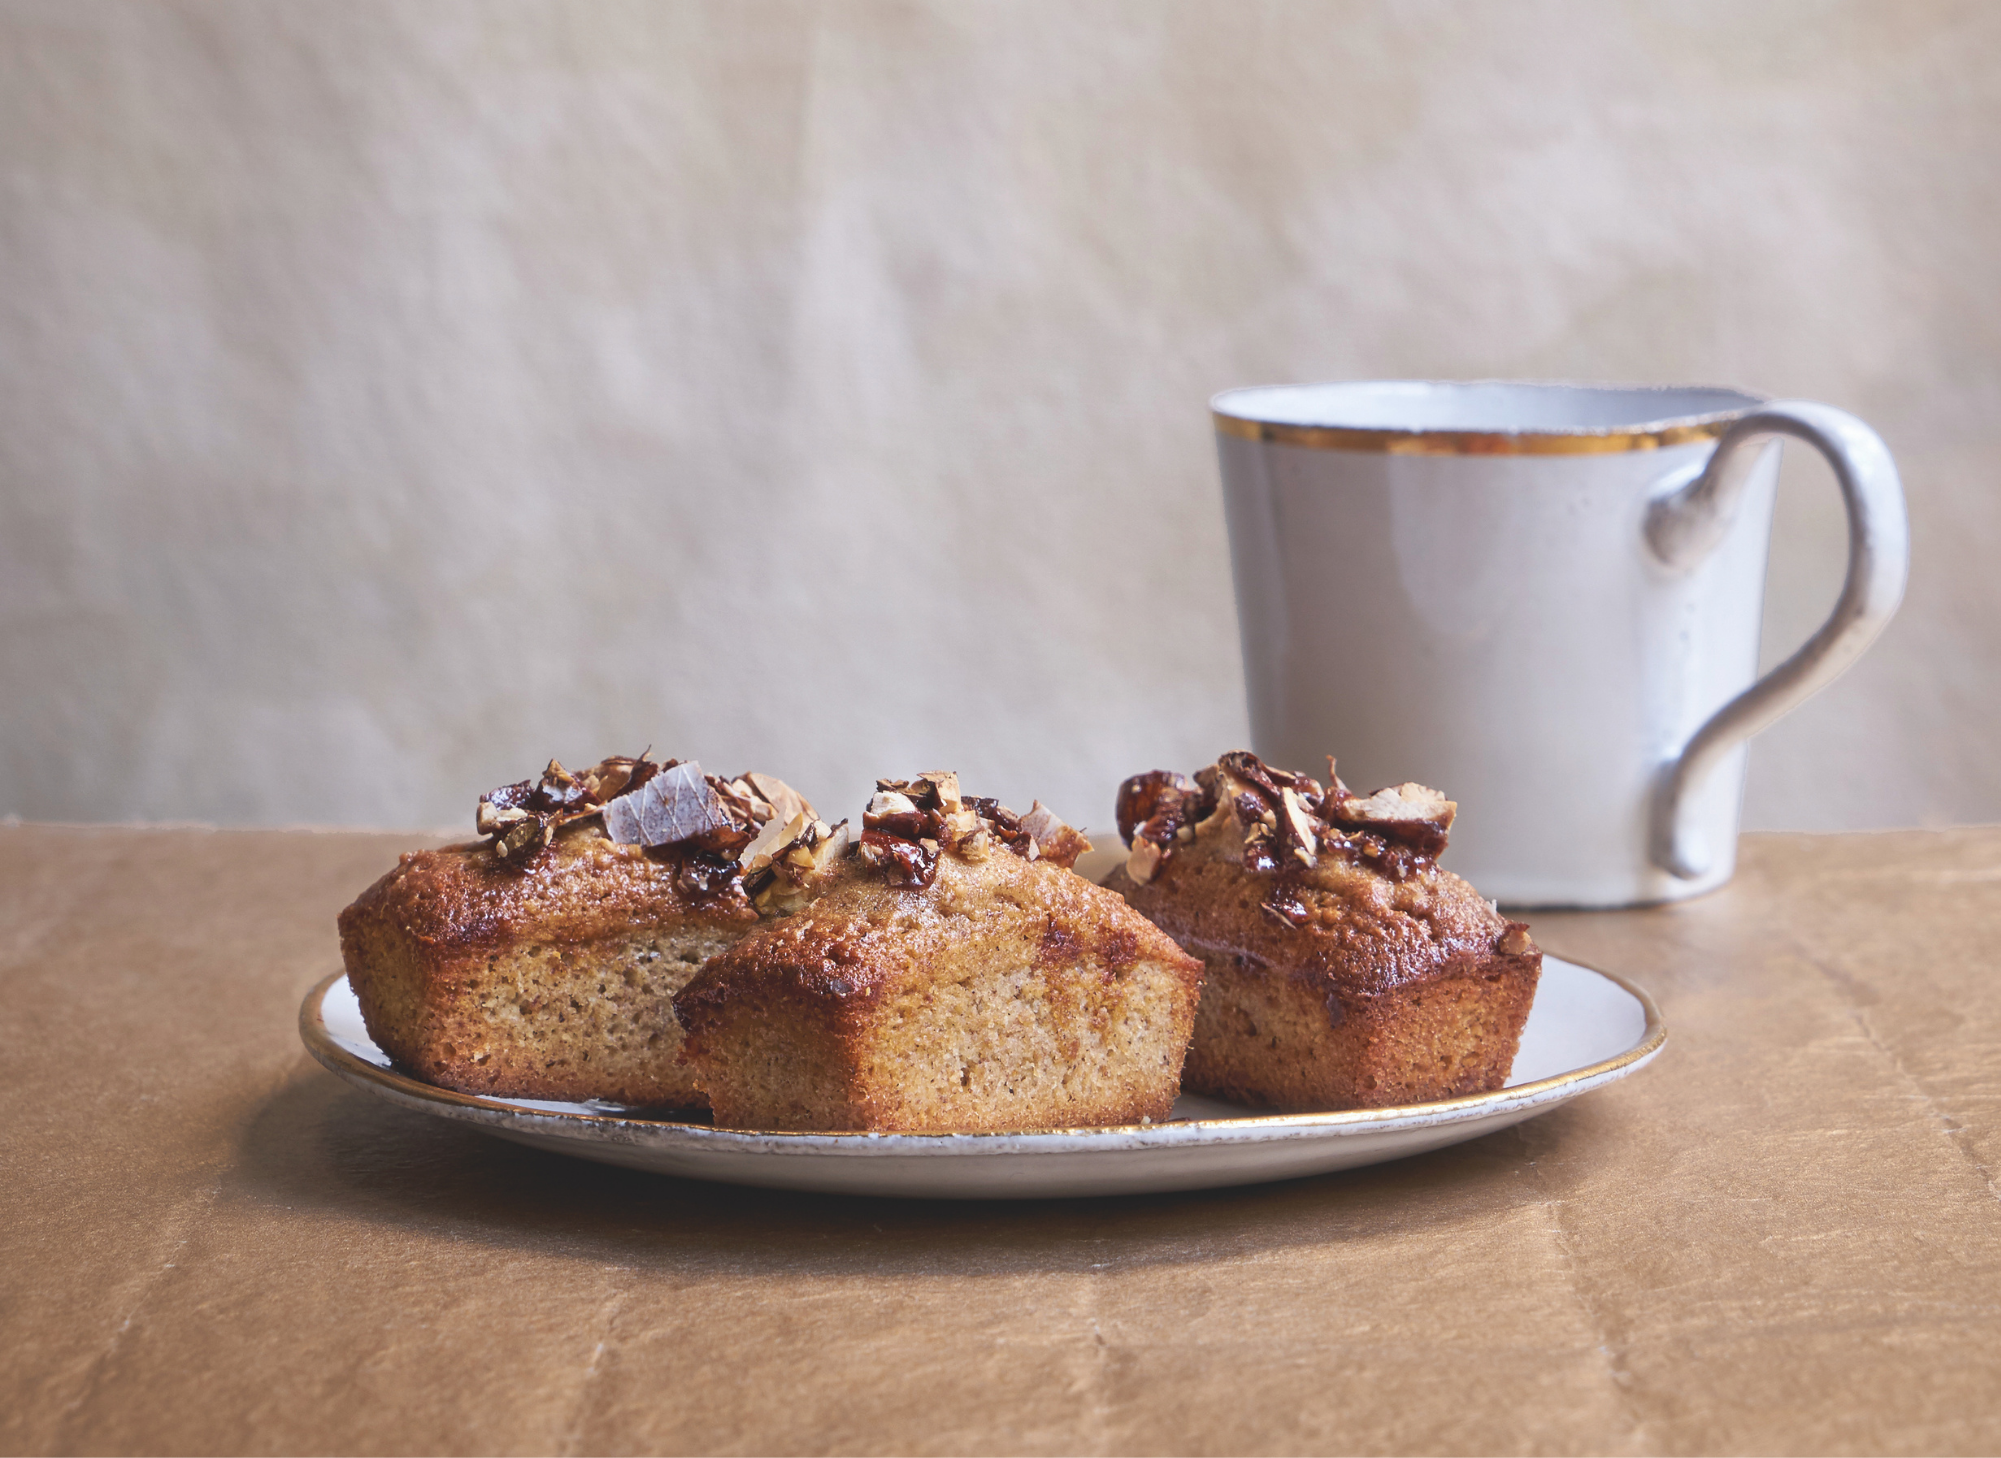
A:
x,y
1586,1029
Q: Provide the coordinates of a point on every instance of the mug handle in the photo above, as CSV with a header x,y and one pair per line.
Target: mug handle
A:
x,y
1685,522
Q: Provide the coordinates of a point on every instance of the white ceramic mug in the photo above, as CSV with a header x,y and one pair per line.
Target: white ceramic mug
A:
x,y
1543,600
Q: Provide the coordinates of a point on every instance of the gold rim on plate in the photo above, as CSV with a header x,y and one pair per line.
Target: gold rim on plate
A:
x,y
336,1059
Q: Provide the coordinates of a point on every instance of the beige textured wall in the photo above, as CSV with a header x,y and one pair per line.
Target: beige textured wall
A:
x,y
392,395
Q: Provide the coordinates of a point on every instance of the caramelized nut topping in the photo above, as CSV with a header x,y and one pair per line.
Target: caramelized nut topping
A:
x,y
1159,809
1143,797
523,817
902,862
1052,839
910,823
1288,820
780,798
781,877
1286,906
703,875
1144,860
1260,853
529,833
1005,825
945,785
1410,814
1269,783
705,825
772,841
1296,828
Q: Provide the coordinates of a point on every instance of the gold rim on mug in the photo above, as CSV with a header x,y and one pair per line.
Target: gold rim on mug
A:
x,y
404,1088
1474,442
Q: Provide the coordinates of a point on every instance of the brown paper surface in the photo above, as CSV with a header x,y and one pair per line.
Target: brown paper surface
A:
x,y
1782,1237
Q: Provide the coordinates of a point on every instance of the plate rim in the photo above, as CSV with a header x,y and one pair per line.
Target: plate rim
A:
x,y
403,1088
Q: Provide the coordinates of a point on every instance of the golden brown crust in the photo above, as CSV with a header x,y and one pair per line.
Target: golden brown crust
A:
x,y
1007,994
583,886
1366,991
545,978
1270,1040
1363,935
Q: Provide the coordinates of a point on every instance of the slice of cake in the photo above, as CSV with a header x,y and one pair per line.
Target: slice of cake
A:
x,y
1344,968
541,962
957,975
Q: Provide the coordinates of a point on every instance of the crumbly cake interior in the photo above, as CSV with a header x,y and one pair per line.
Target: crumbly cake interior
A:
x,y
566,1020
1264,1045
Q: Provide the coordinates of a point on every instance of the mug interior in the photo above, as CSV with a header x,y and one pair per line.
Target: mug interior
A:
x,y
1485,407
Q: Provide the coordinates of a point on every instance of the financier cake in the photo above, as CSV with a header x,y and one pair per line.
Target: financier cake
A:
x,y
1344,968
956,975
541,961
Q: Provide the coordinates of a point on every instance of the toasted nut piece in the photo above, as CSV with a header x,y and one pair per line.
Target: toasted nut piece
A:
x,y
1156,793
1408,801
946,783
1299,828
832,844
530,833
1052,838
1041,822
1143,860
1410,814
785,801
891,802
770,841
743,800
609,779
491,819
1515,941
793,878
